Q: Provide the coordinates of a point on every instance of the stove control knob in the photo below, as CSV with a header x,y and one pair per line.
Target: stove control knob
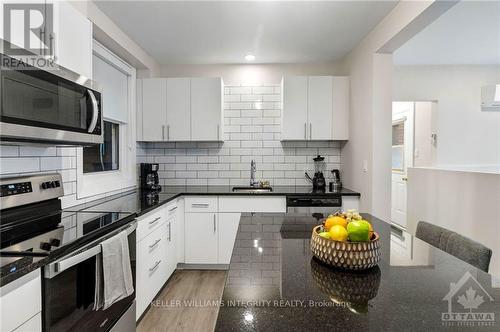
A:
x,y
55,242
45,246
44,185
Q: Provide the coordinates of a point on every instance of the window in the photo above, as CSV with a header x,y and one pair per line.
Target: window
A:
x,y
398,145
105,156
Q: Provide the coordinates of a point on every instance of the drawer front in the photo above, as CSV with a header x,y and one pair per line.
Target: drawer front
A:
x,y
150,222
20,300
151,267
238,204
172,209
201,204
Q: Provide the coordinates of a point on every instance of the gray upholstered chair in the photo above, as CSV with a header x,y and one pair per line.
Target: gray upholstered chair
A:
x,y
455,244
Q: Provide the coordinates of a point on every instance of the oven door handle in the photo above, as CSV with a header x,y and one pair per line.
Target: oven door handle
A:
x,y
95,111
67,262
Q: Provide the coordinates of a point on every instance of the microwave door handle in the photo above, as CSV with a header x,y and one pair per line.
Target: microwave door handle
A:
x,y
95,111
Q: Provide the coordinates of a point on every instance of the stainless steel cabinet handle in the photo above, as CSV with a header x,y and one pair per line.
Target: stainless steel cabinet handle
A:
x,y
173,209
218,132
199,205
154,244
168,132
95,111
51,50
310,130
54,47
214,223
169,232
155,220
163,132
151,269
305,130
41,42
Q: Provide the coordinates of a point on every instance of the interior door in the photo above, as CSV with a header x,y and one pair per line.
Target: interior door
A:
x,y
294,114
154,109
319,107
402,158
201,238
178,109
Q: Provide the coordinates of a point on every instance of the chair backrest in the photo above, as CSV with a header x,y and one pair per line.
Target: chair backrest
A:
x,y
455,244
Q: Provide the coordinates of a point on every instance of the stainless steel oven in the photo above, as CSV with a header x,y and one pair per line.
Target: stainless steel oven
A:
x,y
69,287
56,106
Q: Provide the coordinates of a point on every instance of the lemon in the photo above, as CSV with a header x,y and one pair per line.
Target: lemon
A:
x,y
338,233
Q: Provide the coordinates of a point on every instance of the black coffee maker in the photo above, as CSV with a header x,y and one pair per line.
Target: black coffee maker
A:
x,y
318,181
149,176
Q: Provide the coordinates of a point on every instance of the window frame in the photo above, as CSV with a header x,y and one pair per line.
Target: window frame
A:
x,y
113,181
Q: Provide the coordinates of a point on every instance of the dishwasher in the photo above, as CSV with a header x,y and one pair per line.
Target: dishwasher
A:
x,y
313,204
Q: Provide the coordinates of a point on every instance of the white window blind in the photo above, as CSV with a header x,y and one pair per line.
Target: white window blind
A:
x,y
114,89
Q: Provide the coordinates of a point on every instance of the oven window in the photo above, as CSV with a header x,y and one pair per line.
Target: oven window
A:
x,y
104,157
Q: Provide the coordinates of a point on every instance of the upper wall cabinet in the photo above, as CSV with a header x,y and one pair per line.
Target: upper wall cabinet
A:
x,y
206,109
180,109
69,40
315,108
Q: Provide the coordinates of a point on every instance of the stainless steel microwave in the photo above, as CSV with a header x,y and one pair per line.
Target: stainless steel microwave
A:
x,y
48,107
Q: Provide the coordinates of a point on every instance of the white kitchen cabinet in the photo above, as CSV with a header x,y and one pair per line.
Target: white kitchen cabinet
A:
x,y
294,108
20,301
350,202
340,106
201,238
172,238
71,40
249,204
32,325
319,107
154,109
315,108
179,230
227,228
151,267
178,109
206,109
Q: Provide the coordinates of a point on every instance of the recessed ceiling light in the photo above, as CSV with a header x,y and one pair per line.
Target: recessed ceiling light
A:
x,y
249,57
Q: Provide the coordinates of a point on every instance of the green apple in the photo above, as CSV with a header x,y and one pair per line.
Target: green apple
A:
x,y
358,231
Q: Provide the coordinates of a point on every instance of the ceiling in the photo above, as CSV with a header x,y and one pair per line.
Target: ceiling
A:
x,y
213,32
469,33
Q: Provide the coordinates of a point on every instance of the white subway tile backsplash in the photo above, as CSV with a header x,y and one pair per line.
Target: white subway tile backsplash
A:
x,y
34,151
19,165
252,118
9,151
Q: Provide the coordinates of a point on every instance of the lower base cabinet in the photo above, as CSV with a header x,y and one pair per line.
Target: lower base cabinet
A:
x,y
201,238
228,227
151,269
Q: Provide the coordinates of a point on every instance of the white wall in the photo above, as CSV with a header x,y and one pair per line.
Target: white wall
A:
x,y
466,136
251,74
369,66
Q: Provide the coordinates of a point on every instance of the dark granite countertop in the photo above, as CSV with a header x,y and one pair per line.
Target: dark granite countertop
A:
x,y
274,284
133,201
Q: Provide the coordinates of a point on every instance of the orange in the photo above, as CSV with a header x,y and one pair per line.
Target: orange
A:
x,y
336,220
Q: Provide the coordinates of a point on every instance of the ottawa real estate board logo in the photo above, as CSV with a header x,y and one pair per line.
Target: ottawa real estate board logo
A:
x,y
28,30
465,299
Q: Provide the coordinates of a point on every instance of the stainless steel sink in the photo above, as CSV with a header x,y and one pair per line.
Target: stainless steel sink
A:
x,y
253,189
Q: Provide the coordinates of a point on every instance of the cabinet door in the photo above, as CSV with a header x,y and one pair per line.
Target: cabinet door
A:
x,y
154,109
206,109
201,238
228,227
71,40
294,113
178,109
319,107
340,108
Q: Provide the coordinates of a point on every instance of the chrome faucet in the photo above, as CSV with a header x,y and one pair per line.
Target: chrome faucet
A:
x,y
253,169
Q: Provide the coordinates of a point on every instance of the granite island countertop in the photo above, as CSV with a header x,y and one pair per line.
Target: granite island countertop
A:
x,y
275,284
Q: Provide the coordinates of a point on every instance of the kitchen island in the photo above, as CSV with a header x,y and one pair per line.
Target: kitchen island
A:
x,y
274,284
